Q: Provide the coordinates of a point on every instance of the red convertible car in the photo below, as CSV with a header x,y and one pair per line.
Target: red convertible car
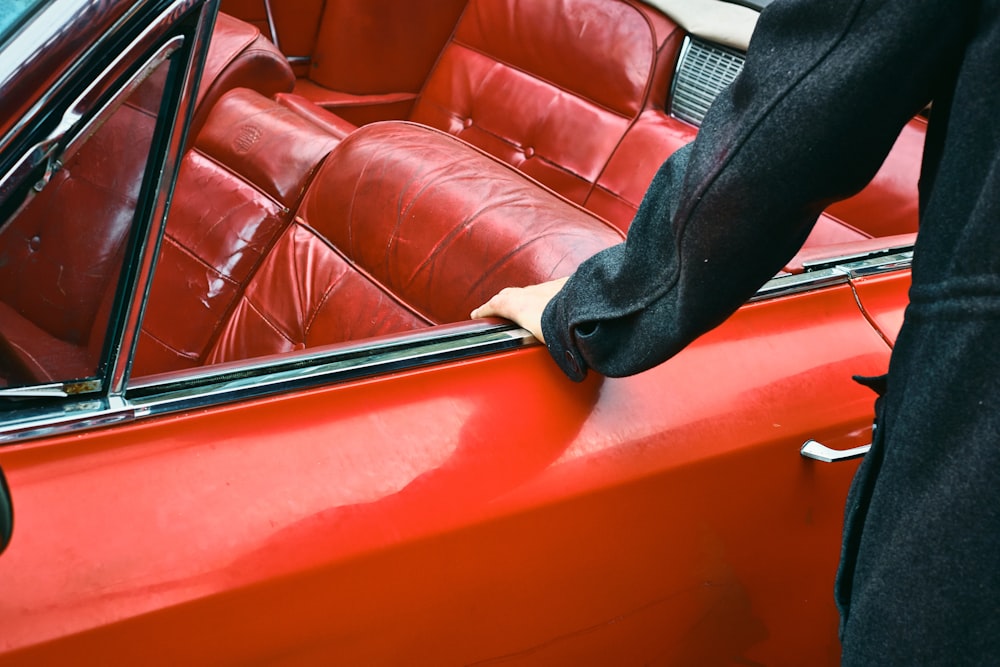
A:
x,y
244,414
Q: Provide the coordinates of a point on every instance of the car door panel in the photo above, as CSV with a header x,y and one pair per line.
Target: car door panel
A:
x,y
477,511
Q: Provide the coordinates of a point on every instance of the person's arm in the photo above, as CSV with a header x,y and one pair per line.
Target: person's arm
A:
x,y
824,92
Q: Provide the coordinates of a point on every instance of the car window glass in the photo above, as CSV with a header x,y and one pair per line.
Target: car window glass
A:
x,y
63,249
13,13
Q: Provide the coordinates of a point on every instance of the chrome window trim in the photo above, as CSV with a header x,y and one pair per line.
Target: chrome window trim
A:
x,y
36,410
836,271
135,301
100,96
44,28
797,283
227,383
870,266
82,118
48,27
100,112
68,133
339,364
68,418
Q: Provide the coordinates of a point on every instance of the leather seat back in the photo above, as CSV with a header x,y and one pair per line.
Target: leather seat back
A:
x,y
236,191
404,227
239,57
550,87
444,226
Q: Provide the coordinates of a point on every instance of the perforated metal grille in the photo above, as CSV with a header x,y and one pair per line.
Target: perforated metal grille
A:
x,y
703,71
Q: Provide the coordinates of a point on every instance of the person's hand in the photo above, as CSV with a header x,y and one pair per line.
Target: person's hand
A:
x,y
523,305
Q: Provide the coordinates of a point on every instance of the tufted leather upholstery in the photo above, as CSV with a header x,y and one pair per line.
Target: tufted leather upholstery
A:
x,y
550,88
620,188
572,94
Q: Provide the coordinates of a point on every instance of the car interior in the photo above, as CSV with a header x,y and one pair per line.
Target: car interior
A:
x,y
348,176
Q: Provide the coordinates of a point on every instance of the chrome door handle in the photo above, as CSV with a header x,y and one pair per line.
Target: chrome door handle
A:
x,y
820,452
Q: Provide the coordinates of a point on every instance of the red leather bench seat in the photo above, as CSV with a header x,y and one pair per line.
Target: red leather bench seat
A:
x,y
570,93
550,88
404,227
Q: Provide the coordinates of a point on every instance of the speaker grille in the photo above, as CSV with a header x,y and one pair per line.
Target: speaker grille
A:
x,y
703,71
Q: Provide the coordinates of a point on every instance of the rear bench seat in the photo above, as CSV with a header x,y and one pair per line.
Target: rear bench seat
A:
x,y
571,93
550,88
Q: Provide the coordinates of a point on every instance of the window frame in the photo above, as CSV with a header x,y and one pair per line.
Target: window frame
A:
x,y
65,115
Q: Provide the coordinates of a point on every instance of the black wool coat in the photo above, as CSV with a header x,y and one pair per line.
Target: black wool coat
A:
x,y
826,87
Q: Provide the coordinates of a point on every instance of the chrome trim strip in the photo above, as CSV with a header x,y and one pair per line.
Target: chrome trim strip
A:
x,y
69,418
120,362
47,28
83,105
53,390
796,283
212,387
228,383
43,29
875,265
835,272
872,258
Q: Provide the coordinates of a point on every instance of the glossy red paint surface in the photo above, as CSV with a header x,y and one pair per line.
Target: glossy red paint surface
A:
x,y
485,512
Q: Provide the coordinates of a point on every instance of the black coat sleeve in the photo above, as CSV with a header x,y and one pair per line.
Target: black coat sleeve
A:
x,y
826,87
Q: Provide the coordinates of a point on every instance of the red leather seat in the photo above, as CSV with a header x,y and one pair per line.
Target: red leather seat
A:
x,y
236,192
239,57
57,276
404,227
550,88
573,93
